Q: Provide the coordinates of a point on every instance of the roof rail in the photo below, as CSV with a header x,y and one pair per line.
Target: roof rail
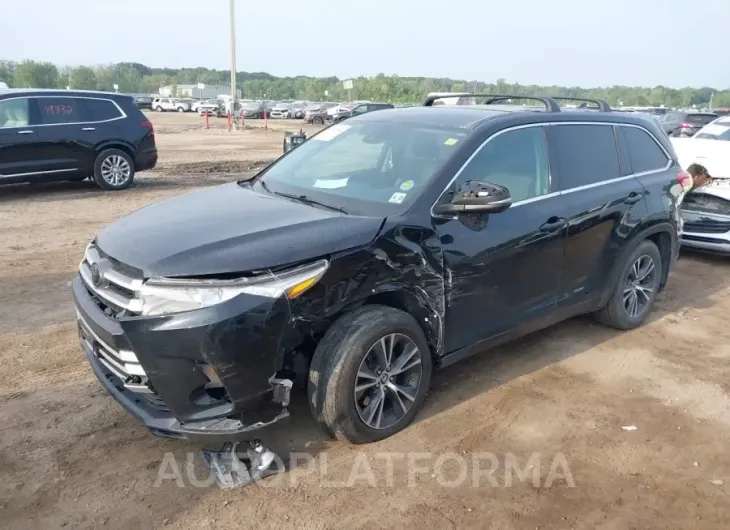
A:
x,y
550,104
602,104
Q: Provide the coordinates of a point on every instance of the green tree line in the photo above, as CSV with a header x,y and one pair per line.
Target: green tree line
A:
x,y
138,78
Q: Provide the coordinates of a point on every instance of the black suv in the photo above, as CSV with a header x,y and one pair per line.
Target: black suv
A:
x,y
678,123
376,251
69,135
362,108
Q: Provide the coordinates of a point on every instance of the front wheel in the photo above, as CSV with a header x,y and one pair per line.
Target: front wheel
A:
x,y
317,120
158,109
180,109
370,374
636,289
113,170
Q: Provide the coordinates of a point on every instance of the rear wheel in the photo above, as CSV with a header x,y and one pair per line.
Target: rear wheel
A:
x,y
369,375
113,170
636,289
317,120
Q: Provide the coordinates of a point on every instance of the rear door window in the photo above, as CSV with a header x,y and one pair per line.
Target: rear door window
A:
x,y
98,109
645,153
59,110
15,112
584,154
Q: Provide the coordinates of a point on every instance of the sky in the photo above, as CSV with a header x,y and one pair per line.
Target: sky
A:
x,y
584,43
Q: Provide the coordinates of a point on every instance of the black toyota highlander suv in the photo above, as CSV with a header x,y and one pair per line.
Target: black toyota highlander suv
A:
x,y
73,135
378,250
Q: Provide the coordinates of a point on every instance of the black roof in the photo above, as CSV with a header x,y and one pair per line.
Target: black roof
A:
x,y
459,116
15,92
473,116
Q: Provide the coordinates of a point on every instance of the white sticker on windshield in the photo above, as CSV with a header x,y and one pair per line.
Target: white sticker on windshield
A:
x,y
330,132
331,184
397,198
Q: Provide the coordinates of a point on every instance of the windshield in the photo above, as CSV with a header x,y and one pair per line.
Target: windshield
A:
x,y
364,167
251,105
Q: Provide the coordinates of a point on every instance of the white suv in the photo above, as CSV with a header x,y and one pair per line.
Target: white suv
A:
x,y
161,104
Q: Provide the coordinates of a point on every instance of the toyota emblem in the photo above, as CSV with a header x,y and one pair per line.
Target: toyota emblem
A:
x,y
95,275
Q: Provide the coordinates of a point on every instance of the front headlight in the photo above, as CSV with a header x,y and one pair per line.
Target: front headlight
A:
x,y
164,296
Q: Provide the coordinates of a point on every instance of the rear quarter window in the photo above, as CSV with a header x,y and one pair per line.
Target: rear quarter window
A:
x,y
645,153
584,154
98,109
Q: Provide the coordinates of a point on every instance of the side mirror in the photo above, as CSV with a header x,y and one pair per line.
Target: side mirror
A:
x,y
477,197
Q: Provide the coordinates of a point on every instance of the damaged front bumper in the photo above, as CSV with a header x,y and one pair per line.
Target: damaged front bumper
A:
x,y
204,375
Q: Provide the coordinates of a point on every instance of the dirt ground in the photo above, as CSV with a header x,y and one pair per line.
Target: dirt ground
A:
x,y
554,403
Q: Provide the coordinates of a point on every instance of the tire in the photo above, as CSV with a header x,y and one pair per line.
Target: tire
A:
x,y
615,313
180,109
340,358
158,108
317,120
104,174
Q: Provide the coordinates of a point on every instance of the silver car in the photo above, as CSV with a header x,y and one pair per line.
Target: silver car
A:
x,y
281,110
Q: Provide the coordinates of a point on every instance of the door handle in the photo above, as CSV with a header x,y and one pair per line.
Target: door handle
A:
x,y
553,224
26,132
89,129
633,198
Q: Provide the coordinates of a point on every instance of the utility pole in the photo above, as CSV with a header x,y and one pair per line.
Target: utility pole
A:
x,y
233,53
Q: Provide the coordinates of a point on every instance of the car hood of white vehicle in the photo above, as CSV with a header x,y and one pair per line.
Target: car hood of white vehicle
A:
x,y
718,188
713,154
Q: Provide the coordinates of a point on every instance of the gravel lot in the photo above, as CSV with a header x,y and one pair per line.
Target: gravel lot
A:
x,y
70,457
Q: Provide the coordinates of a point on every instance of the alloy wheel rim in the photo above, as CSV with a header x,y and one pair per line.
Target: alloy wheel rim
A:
x,y
388,381
639,286
115,170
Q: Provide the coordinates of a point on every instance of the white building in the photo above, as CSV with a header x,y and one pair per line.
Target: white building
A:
x,y
192,91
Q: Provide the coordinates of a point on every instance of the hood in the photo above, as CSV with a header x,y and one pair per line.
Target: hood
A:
x,y
230,229
713,154
719,189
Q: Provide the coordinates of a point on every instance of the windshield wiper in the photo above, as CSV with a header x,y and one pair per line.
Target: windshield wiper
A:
x,y
307,200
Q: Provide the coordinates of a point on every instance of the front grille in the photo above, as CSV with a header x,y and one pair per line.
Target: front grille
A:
x,y
113,285
123,364
156,401
707,227
701,239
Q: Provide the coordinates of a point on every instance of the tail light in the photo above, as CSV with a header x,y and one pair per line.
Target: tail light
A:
x,y
148,125
685,180
685,125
